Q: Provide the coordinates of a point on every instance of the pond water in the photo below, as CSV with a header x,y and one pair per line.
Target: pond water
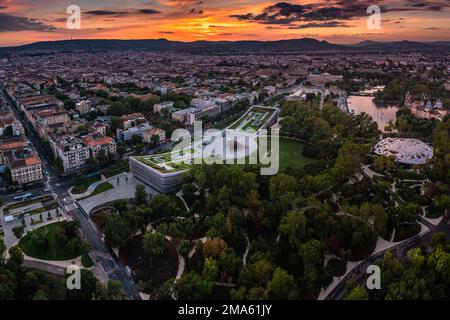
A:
x,y
380,114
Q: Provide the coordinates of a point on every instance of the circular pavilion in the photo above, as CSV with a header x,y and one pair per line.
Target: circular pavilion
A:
x,y
405,151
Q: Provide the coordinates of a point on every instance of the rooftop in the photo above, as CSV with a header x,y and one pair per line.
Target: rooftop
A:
x,y
407,151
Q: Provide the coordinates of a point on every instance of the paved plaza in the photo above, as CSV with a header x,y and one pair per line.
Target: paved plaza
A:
x,y
124,188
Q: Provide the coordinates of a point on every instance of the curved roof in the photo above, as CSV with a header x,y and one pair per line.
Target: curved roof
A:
x,y
407,151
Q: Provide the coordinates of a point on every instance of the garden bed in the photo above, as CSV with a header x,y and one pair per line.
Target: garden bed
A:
x,y
44,243
103,187
27,203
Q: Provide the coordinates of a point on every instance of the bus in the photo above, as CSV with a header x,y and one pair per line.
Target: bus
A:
x,y
23,197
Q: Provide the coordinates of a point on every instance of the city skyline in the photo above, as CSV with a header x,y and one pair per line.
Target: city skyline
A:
x,y
336,21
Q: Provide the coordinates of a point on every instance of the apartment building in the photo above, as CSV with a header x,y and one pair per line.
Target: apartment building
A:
x,y
83,107
98,145
127,134
9,125
157,108
132,120
9,145
72,151
154,132
24,165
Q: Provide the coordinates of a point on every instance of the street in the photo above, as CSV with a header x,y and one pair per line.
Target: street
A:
x,y
58,186
400,250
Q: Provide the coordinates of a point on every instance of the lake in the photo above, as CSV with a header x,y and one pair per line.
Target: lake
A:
x,y
381,115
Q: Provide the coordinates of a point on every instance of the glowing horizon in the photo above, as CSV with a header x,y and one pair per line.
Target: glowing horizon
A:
x,y
336,21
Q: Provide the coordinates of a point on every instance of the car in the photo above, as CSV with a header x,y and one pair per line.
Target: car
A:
x,y
45,172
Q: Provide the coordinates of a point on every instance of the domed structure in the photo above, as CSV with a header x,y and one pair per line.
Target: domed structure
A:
x,y
406,151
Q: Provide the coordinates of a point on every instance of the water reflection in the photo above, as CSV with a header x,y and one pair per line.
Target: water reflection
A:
x,y
381,115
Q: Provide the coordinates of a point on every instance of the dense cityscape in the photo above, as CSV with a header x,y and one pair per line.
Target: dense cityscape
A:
x,y
93,179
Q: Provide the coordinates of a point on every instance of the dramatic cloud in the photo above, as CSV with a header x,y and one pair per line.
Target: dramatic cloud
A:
x,y
284,13
4,4
15,23
105,13
148,11
331,24
121,13
196,11
329,13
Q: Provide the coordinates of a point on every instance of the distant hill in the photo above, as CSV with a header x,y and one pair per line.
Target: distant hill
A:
x,y
280,46
403,46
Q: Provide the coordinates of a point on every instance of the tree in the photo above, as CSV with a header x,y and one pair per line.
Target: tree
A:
x,y
136,139
282,286
439,239
18,231
88,287
117,231
357,293
407,213
439,261
294,227
116,123
2,252
140,196
59,164
8,286
213,247
280,185
114,290
257,294
116,109
164,206
165,291
189,192
384,163
40,295
312,256
256,274
153,244
70,228
191,286
381,220
154,140
15,256
229,263
210,269
443,202
8,131
74,246
39,239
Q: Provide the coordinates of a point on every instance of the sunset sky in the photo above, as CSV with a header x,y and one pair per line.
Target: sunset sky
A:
x,y
337,21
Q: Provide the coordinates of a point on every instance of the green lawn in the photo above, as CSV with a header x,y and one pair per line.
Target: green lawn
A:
x,y
103,187
56,250
291,153
81,187
83,183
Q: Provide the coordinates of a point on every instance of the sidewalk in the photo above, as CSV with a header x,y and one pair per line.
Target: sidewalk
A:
x,y
124,187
